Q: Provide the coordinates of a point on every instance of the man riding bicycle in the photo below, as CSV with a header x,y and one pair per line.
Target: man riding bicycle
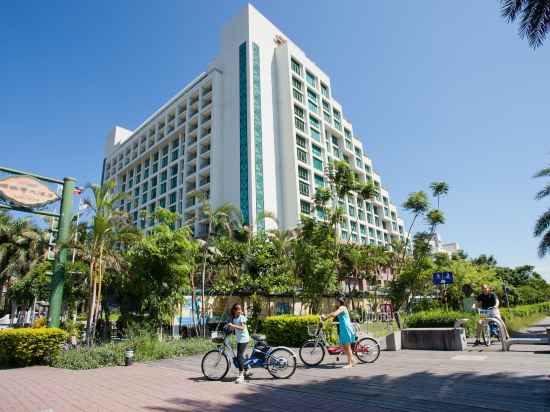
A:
x,y
488,301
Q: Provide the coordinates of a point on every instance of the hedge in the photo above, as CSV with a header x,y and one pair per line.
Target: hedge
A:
x,y
30,346
289,330
445,319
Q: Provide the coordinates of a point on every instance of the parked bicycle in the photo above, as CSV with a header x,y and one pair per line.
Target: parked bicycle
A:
x,y
313,351
279,361
490,330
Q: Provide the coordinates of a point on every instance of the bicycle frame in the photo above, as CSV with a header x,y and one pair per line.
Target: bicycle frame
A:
x,y
320,339
251,362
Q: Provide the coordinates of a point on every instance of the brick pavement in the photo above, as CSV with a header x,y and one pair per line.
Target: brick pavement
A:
x,y
475,380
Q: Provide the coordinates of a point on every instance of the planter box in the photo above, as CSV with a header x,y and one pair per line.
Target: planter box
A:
x,y
452,339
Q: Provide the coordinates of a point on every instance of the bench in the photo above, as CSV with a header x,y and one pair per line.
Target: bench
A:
x,y
451,339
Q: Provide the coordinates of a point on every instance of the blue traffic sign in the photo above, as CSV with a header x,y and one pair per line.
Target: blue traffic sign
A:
x,y
442,278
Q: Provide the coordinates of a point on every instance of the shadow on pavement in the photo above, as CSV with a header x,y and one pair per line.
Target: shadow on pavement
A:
x,y
421,391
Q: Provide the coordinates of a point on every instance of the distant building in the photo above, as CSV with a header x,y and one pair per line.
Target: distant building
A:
x,y
450,248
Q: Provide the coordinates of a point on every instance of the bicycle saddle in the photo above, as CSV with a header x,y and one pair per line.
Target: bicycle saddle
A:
x,y
258,337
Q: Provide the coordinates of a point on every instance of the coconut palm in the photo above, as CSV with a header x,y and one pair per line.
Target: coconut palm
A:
x,y
542,225
534,16
435,217
439,189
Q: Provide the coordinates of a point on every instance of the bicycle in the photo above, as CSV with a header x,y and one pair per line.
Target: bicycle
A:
x,y
490,330
279,361
313,351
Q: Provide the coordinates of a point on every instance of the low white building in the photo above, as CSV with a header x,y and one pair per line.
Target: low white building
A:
x,y
257,129
450,248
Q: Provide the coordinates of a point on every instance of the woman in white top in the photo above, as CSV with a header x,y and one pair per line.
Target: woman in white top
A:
x,y
238,322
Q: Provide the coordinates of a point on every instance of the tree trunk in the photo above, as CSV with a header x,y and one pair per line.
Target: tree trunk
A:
x,y
91,303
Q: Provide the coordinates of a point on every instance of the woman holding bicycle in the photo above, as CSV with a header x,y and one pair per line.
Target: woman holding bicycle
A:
x,y
238,322
346,333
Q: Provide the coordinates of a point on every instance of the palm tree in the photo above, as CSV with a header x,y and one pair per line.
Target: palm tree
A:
x,y
109,227
22,246
439,189
435,217
542,225
534,18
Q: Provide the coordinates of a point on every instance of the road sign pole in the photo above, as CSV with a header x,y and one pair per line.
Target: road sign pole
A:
x,y
58,279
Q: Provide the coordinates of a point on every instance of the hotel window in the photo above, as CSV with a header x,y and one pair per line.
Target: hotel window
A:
x,y
296,67
304,188
146,169
302,156
319,181
163,188
163,176
320,213
300,125
337,119
353,226
305,207
162,203
326,111
173,182
144,198
154,181
344,235
172,198
318,164
303,173
297,95
312,101
361,214
300,141
153,193
315,127
298,111
316,150
370,219
324,90
311,79
347,133
297,83
351,211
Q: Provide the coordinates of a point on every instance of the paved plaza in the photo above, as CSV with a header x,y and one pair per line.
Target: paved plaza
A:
x,y
474,380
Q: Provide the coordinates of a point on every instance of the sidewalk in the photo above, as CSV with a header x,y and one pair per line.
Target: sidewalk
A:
x,y
399,381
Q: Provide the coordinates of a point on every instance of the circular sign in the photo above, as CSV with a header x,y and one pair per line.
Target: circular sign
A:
x,y
26,191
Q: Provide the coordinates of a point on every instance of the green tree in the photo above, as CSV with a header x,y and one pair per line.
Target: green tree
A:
x,y
533,16
160,265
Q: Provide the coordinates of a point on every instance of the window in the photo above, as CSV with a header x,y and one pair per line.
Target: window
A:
x,y
162,202
297,83
337,119
296,67
312,101
302,156
363,229
326,111
314,122
318,164
319,181
352,211
153,193
144,198
297,95
303,173
347,133
344,235
162,188
311,79
300,125
154,181
163,176
361,214
315,134
316,150
172,198
304,188
370,219
353,226
173,182
320,212
301,141
298,111
324,90
305,207
314,129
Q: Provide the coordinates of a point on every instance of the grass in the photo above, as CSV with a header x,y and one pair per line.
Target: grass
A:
x,y
517,324
146,348
378,329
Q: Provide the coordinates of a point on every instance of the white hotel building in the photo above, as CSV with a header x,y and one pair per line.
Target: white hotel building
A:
x,y
257,129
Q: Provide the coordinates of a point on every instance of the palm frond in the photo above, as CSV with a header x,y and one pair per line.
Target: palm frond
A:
x,y
543,193
544,245
543,173
542,224
535,22
510,9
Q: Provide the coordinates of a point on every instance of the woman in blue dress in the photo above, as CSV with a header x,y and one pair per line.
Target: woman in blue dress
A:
x,y
346,332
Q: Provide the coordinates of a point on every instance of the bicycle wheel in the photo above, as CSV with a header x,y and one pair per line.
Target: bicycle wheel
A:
x,y
312,353
281,363
486,334
215,365
367,350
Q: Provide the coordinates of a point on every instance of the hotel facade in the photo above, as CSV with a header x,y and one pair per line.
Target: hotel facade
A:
x,y
258,130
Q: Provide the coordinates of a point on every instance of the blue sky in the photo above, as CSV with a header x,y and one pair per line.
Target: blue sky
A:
x,y
435,90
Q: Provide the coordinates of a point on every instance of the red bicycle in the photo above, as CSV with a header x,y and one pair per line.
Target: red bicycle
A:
x,y
313,351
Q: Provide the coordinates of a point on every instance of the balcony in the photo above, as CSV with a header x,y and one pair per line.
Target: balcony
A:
x,y
204,180
204,162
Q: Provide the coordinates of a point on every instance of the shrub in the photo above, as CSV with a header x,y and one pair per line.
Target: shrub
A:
x,y
289,330
441,319
146,348
30,346
39,322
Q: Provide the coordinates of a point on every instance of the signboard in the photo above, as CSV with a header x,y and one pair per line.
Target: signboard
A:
x,y
442,278
26,191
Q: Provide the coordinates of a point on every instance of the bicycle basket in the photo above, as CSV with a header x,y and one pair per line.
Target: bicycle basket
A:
x,y
217,337
313,330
